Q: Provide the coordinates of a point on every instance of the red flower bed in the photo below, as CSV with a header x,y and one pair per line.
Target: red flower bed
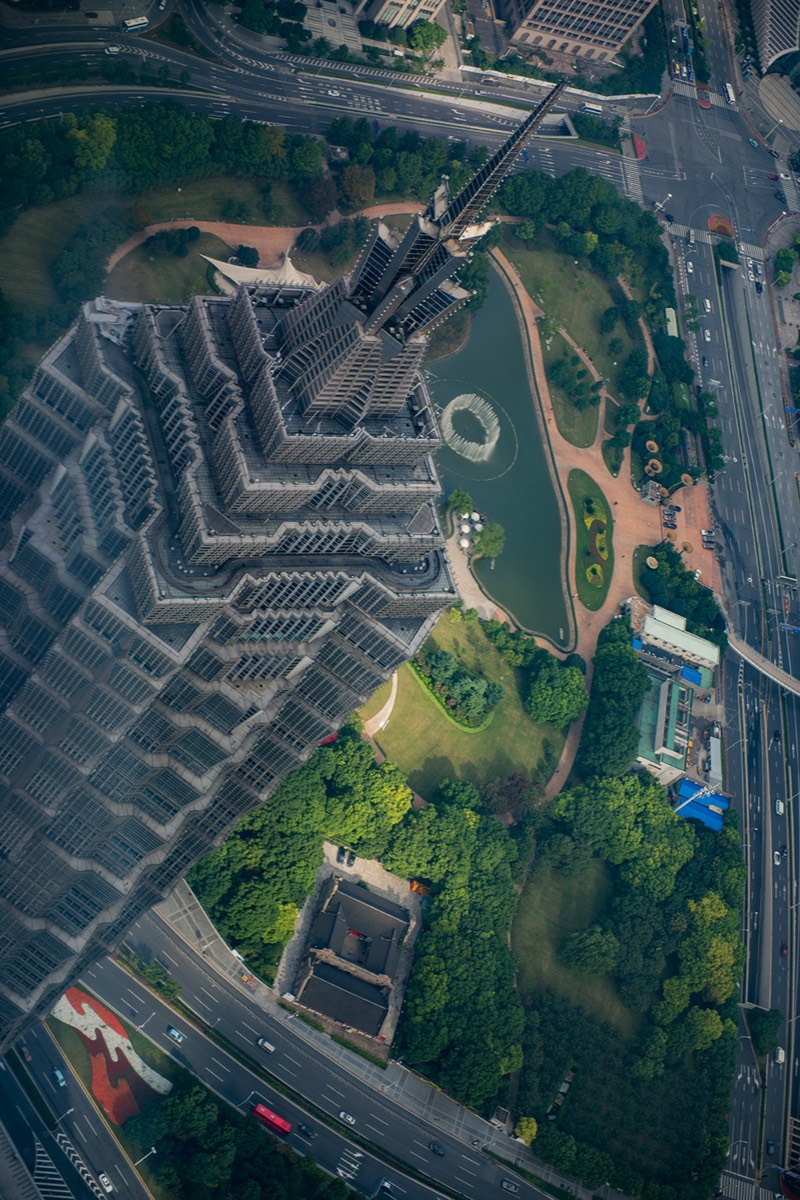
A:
x,y
639,147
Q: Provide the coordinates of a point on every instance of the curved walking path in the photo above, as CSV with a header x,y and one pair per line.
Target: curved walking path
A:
x,y
271,241
375,724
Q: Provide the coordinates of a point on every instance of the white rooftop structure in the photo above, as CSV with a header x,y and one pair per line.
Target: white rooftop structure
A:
x,y
668,630
287,273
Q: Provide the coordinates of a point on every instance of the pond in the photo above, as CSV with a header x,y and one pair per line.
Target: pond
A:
x,y
495,452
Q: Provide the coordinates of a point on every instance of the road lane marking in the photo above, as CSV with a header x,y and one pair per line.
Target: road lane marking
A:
x,y
220,1064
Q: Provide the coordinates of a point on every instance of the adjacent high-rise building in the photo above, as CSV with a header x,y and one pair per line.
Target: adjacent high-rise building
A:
x,y
594,29
777,26
219,536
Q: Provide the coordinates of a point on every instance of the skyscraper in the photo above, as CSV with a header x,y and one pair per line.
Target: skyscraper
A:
x,y
777,25
219,536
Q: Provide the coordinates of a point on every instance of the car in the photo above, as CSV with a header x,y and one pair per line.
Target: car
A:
x,y
753,143
757,269
670,525
113,49
707,335
751,276
759,286
25,1052
351,858
265,1045
175,1034
784,851
333,92
435,1148
776,857
676,508
778,194
774,154
91,15
347,1118
668,217
709,533
770,1146
750,263
690,268
705,360
784,949
105,1182
341,854
59,1077
698,573
508,1185
306,1131
773,177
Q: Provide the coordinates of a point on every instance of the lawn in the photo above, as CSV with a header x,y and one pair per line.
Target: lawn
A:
x,y
166,279
594,569
39,235
579,428
428,748
571,296
375,702
550,907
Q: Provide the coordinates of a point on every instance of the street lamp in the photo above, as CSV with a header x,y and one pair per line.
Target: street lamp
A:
x,y
152,1150
774,127
64,1115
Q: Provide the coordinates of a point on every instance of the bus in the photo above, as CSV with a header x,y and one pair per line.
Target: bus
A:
x,y
135,23
729,96
592,110
272,1120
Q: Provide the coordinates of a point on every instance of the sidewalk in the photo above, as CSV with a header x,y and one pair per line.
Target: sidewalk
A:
x,y
185,916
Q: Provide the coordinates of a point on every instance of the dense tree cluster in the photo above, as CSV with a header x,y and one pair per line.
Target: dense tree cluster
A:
x,y
594,223
206,1149
255,883
177,242
765,1027
620,682
553,692
674,587
462,1019
468,696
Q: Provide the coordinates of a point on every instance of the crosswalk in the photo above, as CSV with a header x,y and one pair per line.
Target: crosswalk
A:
x,y
686,89
47,1177
737,1187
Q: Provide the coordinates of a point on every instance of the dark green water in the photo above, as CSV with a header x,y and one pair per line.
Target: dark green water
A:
x,y
514,485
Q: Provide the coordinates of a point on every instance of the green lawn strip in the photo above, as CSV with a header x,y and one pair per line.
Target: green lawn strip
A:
x,y
437,700
550,907
572,296
376,701
428,748
578,427
612,457
582,487
681,396
165,279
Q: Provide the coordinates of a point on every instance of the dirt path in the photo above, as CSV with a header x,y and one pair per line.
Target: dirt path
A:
x,y
271,241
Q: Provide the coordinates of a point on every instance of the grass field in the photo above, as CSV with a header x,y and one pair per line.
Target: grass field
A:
x,y
166,279
550,907
428,748
375,702
577,427
571,296
582,487
40,234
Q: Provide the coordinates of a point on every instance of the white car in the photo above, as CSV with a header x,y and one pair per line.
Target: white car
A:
x,y
333,92
113,49
346,1117
751,276
707,334
105,1182
690,268
776,857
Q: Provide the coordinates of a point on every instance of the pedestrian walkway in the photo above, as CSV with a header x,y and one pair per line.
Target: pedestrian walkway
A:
x,y
762,664
700,235
688,89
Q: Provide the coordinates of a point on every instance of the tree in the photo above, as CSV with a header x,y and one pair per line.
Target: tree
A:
x,y
490,541
557,694
357,185
591,951
526,1129
608,319
765,1027
308,241
319,197
459,501
248,256
426,36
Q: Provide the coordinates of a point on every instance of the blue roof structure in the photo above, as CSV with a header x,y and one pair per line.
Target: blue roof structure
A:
x,y
699,812
691,675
